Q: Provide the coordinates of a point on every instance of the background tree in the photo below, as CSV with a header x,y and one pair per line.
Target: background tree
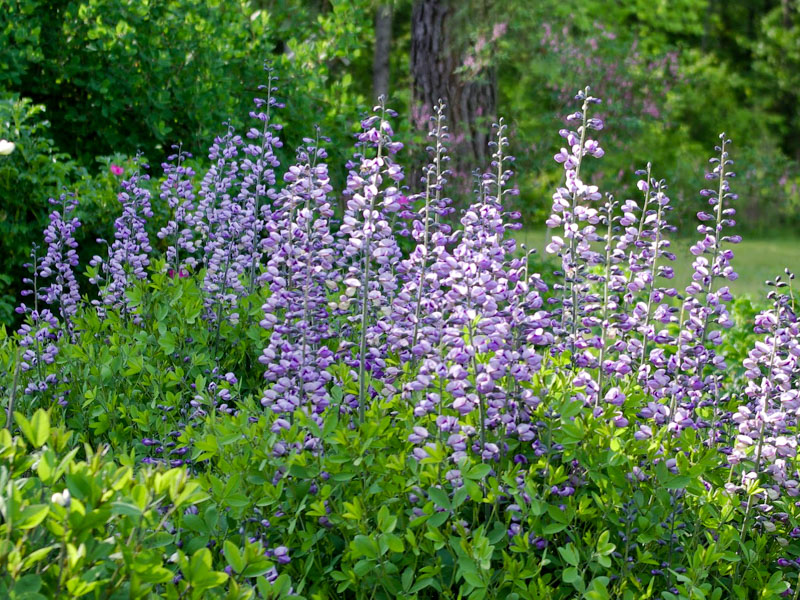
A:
x,y
381,58
449,60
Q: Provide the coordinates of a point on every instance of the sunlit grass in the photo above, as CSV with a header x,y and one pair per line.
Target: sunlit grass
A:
x,y
756,260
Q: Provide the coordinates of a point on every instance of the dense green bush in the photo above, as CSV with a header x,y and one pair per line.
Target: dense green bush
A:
x,y
670,77
74,528
129,76
363,518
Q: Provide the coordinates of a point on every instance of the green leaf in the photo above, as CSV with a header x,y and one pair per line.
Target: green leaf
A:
x,y
439,497
677,483
386,521
477,472
25,427
32,516
28,584
570,554
474,490
256,569
421,584
407,578
557,514
33,557
775,585
46,468
331,424
460,496
473,579
365,546
552,528
233,556
237,500
570,575
394,542
572,432
437,519
124,508
363,566
167,342
41,427
571,409
159,540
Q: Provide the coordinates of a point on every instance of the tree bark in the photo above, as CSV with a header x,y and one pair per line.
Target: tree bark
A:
x,y
383,48
438,51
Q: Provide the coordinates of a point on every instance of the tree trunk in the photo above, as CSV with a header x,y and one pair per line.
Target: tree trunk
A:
x,y
383,47
438,49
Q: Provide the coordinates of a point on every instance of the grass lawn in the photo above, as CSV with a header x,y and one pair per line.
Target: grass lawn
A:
x,y
756,260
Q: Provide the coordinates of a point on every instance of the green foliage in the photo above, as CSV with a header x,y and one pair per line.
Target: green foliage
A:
x,y
89,528
122,76
32,173
672,75
360,516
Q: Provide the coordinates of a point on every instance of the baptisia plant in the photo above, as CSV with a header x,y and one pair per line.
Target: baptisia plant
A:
x,y
368,245
178,192
55,294
573,212
129,253
442,423
300,273
415,311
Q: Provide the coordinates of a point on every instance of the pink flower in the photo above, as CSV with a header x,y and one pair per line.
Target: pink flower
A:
x,y
117,170
499,30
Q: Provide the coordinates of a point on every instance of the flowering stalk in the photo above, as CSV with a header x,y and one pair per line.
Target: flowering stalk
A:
x,y
128,255
39,335
60,261
296,307
367,236
177,191
655,253
577,220
703,302
609,217
773,365
259,168
215,189
362,352
434,180
220,220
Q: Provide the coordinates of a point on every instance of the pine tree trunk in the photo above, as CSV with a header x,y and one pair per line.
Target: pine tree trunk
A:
x,y
383,47
438,50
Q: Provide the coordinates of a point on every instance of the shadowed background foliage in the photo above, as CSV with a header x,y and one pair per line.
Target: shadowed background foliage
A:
x,y
87,84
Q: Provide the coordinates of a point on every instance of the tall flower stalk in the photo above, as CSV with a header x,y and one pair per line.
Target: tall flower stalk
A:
x,y
58,264
299,273
703,302
772,371
129,253
571,211
178,192
258,177
367,236
414,309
